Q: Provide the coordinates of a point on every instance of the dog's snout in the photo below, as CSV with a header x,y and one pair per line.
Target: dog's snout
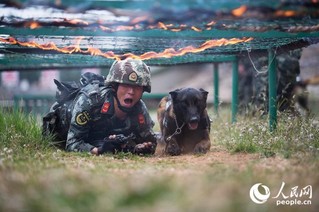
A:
x,y
193,119
193,122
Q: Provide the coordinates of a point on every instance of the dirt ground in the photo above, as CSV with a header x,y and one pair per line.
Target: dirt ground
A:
x,y
216,181
216,155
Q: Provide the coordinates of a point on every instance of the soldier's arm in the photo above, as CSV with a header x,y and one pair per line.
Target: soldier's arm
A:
x,y
80,126
146,133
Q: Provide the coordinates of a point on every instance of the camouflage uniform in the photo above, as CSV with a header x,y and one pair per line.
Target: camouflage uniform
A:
x,y
93,112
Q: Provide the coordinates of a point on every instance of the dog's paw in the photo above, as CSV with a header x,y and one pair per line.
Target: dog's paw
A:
x,y
160,147
173,148
201,149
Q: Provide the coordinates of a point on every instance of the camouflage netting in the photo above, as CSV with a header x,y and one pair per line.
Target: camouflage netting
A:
x,y
64,34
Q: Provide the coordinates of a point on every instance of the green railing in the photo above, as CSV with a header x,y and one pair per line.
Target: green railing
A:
x,y
36,104
40,104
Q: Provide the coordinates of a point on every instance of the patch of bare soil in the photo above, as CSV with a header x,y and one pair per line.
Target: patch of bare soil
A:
x,y
216,156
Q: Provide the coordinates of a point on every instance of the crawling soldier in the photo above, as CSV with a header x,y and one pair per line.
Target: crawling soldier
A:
x,y
112,117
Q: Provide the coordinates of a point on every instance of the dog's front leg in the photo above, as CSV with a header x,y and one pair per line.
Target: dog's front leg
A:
x,y
160,147
172,147
204,145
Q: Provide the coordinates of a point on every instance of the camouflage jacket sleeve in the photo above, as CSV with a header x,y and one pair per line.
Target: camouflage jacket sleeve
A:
x,y
80,125
146,125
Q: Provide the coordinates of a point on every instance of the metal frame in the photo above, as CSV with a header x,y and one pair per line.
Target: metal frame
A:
x,y
272,96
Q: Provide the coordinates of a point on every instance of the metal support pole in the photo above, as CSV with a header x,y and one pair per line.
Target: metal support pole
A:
x,y
216,88
234,105
272,84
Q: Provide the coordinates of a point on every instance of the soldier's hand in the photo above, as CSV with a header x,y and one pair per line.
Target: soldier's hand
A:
x,y
144,148
107,147
112,137
115,141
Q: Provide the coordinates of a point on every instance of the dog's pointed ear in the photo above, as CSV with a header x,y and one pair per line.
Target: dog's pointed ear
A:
x,y
174,93
204,93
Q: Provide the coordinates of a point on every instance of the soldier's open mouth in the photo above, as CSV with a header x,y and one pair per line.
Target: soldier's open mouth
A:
x,y
128,101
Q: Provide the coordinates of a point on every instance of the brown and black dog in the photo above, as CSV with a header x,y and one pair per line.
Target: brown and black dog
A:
x,y
184,122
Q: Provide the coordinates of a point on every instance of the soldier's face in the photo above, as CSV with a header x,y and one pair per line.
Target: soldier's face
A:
x,y
129,95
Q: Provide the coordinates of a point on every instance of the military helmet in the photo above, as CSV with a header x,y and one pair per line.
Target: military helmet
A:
x,y
130,71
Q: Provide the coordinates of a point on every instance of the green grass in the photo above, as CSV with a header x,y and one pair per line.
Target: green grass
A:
x,y
20,137
294,136
35,176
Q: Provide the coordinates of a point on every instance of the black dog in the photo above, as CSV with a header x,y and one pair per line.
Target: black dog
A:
x,y
184,123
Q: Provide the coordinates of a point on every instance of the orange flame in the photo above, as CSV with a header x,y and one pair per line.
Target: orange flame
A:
x,y
211,23
32,24
124,28
133,25
239,11
285,13
162,26
167,53
196,29
77,21
105,28
139,19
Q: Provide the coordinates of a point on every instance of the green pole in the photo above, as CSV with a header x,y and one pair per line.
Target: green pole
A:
x,y
234,90
216,87
272,84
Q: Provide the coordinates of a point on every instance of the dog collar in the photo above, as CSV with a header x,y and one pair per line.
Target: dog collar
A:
x,y
178,128
177,131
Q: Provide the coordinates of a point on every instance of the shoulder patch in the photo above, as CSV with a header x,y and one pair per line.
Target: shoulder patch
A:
x,y
105,107
82,118
141,118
